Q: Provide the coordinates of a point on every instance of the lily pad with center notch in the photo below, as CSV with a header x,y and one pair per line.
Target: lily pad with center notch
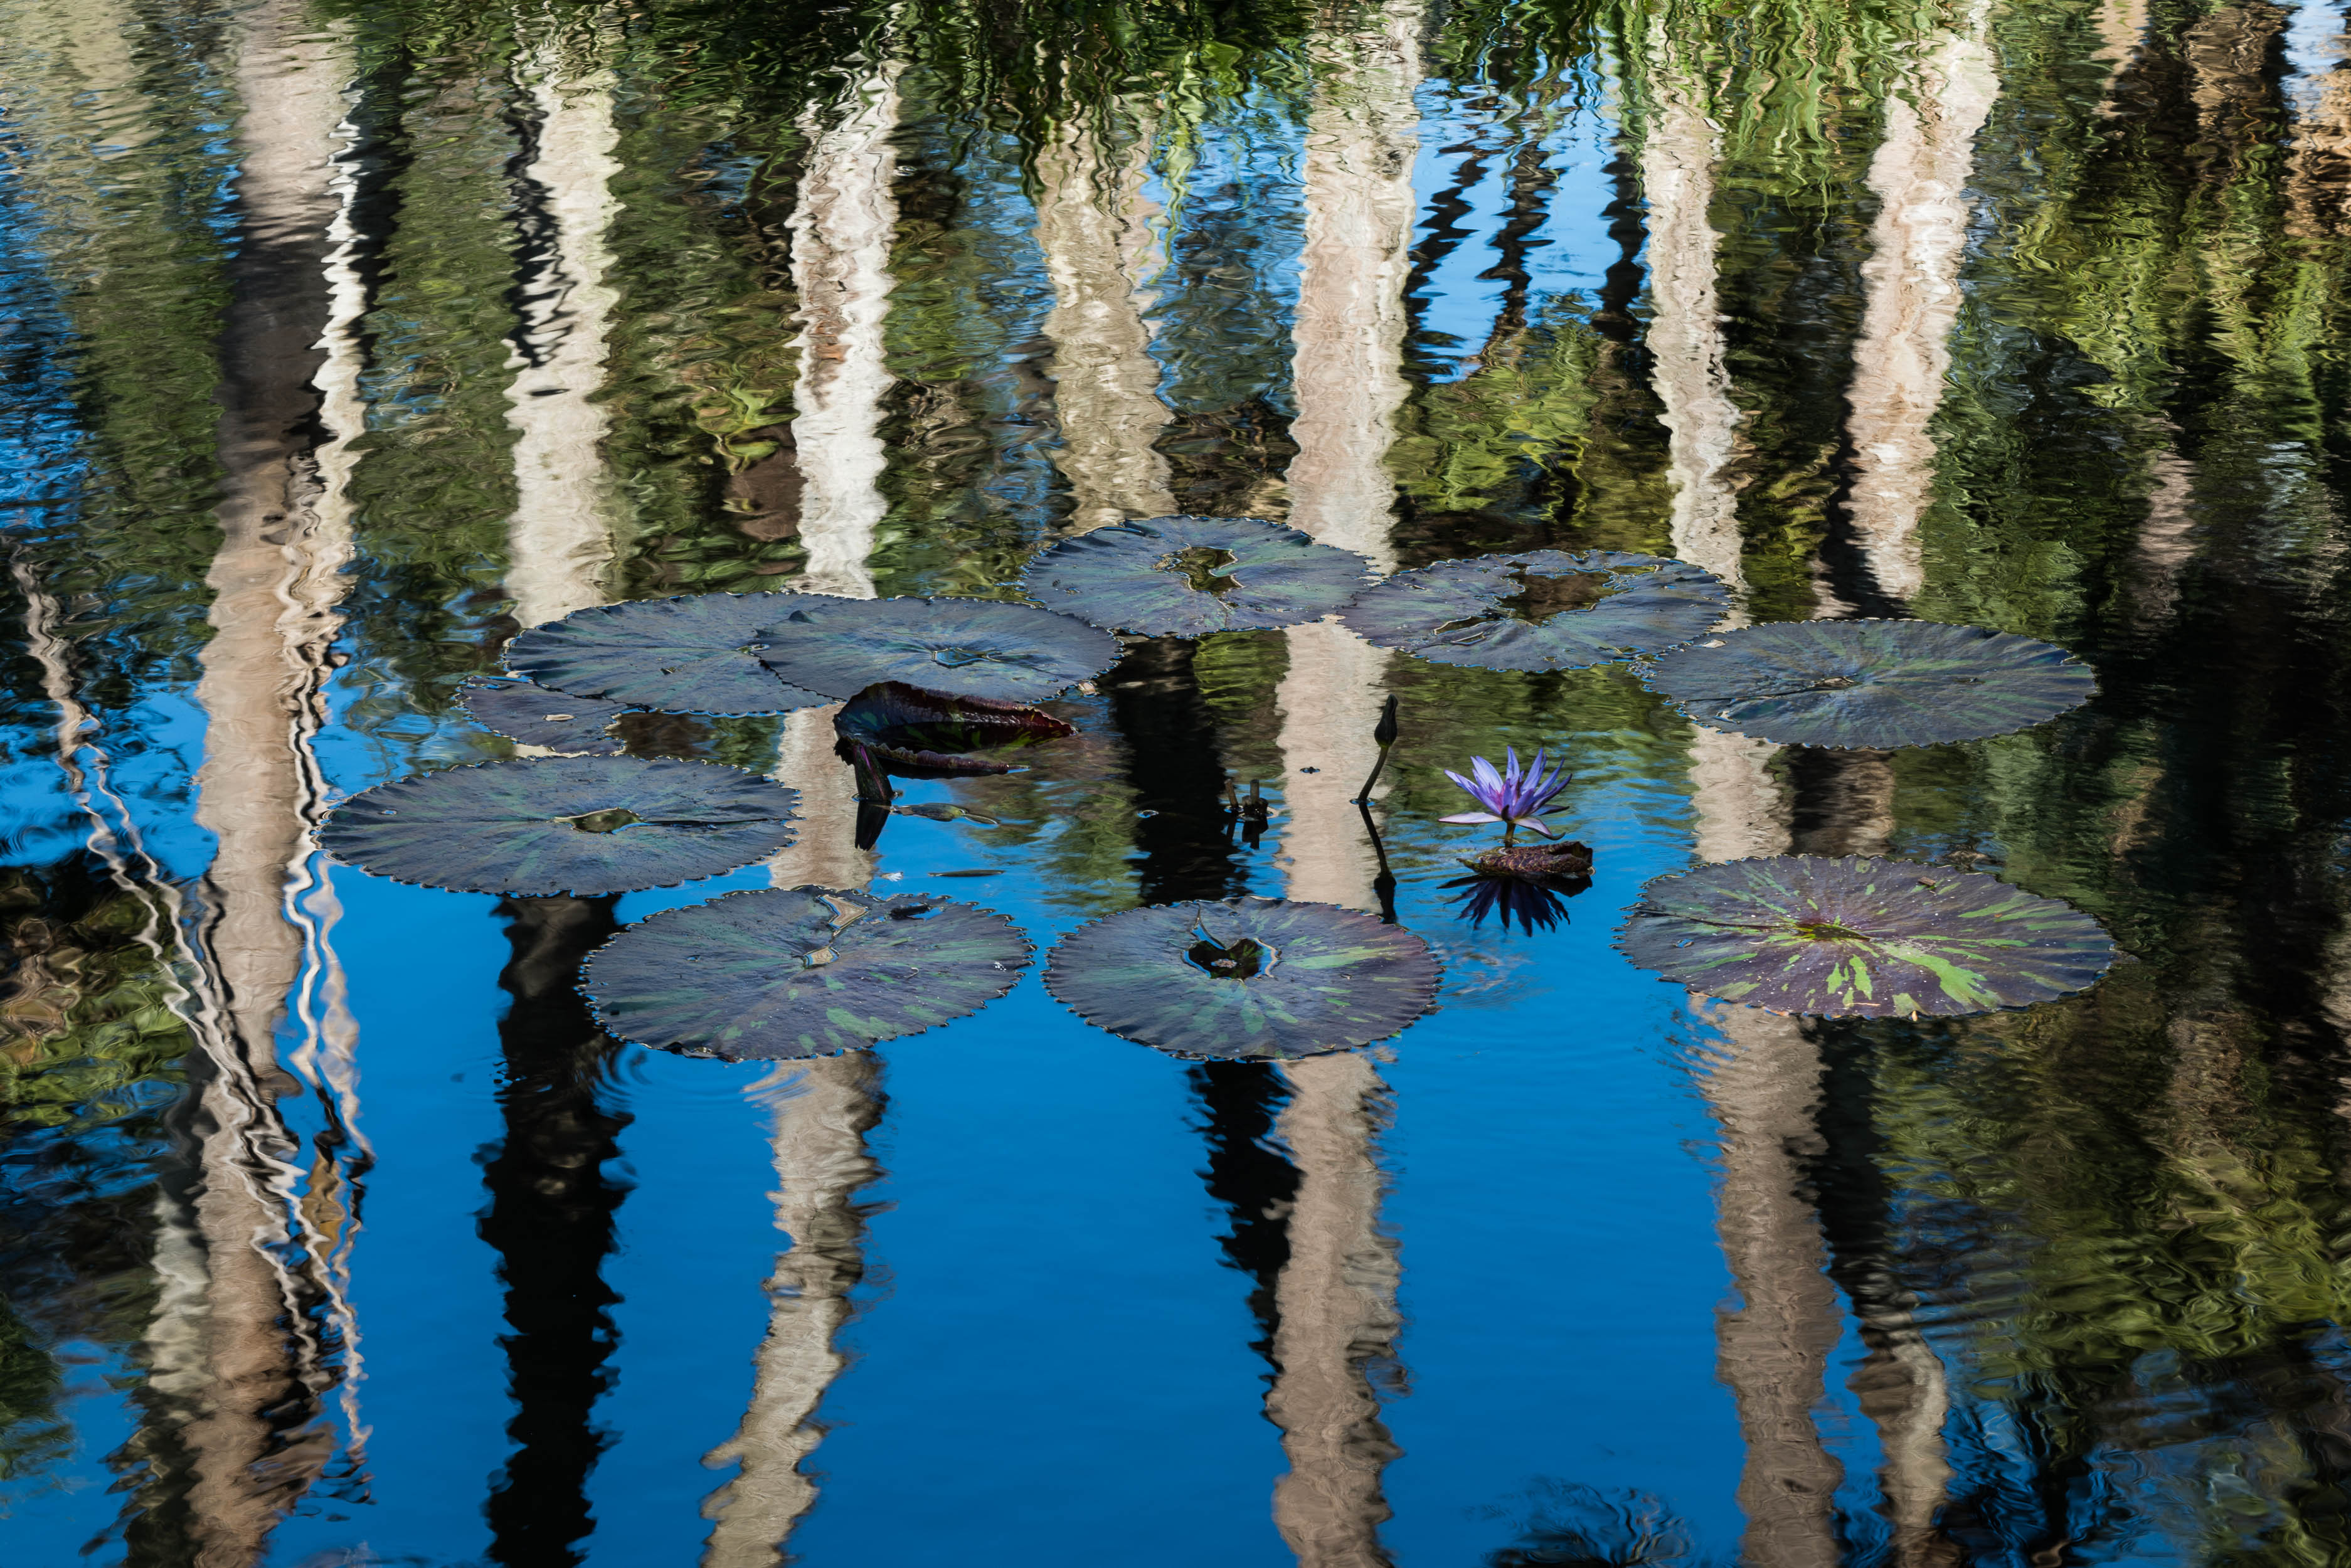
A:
x,y
534,715
1855,937
921,734
784,974
970,647
1870,684
1540,609
1251,979
532,827
1188,577
698,653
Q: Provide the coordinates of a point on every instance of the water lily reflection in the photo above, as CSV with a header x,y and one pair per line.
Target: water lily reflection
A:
x,y
1535,905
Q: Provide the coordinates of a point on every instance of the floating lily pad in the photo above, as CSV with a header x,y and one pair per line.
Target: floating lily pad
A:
x,y
1851,937
931,734
584,825
972,647
1187,577
1251,979
1540,609
694,654
1870,683
783,973
534,715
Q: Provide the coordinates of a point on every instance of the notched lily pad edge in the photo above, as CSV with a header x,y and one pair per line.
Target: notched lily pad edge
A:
x,y
1720,728
595,1009
1616,943
319,835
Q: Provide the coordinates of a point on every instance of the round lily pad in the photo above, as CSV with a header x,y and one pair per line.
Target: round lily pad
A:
x,y
1251,979
538,715
1852,937
698,653
1540,609
971,647
783,973
582,825
1870,684
924,734
1187,577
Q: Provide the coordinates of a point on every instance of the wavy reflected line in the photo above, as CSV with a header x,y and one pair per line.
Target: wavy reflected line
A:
x,y
823,1112
1100,237
841,229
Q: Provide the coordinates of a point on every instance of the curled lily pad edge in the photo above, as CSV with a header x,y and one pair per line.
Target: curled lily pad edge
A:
x,y
1642,673
1016,971
1431,1003
1641,895
792,821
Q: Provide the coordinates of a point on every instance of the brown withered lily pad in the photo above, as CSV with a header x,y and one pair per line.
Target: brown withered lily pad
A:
x,y
927,734
1533,863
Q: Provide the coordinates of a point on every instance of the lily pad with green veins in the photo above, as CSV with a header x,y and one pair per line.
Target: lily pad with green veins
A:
x,y
1249,980
785,973
1854,938
1540,609
1188,577
532,827
1870,684
534,715
970,647
698,653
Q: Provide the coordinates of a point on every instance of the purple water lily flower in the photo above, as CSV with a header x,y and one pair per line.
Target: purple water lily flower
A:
x,y
1514,795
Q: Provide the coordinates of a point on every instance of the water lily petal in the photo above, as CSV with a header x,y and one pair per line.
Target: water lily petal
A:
x,y
1472,816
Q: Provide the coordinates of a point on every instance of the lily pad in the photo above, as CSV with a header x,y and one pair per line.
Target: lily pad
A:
x,y
1251,979
972,647
1852,937
930,734
1540,609
1188,577
1870,684
784,974
534,715
581,825
694,654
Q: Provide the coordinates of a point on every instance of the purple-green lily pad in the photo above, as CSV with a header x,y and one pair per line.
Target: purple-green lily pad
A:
x,y
970,647
785,973
1249,980
698,653
534,715
1540,609
1854,938
1188,577
1870,684
531,827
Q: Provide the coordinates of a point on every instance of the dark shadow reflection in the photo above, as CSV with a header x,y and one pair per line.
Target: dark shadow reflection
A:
x,y
551,1219
1182,832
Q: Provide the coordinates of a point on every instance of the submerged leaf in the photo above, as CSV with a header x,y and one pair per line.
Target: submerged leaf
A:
x,y
1248,980
692,655
1540,609
924,733
1188,577
1870,683
588,825
783,973
1534,862
972,647
534,715
1852,937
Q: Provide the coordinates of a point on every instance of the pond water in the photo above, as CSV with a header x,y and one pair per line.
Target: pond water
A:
x,y
345,342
